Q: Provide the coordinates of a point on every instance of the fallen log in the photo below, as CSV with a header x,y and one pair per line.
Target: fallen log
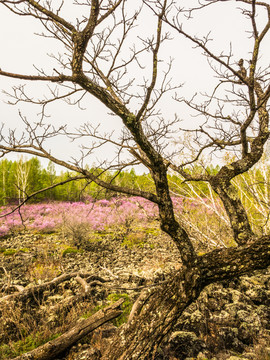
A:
x,y
83,327
39,289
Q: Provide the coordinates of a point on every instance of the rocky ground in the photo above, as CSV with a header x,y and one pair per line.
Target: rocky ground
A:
x,y
229,320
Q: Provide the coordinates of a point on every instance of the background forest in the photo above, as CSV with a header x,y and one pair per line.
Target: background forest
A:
x,y
75,222
19,179
91,206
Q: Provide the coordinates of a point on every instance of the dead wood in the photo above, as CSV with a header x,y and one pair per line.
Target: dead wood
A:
x,y
83,283
39,289
83,327
67,303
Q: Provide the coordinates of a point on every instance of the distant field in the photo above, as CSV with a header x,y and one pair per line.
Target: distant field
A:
x,y
98,215
204,219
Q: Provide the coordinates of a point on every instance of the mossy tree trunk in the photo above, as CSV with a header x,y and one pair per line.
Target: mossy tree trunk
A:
x,y
158,309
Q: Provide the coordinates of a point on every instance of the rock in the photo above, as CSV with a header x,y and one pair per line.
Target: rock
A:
x,y
263,312
230,317
184,344
194,321
203,356
87,354
229,339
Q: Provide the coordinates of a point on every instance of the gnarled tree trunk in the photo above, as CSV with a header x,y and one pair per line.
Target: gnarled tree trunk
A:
x,y
157,310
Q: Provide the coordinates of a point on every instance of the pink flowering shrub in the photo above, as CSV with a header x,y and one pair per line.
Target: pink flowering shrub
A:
x,y
204,219
99,215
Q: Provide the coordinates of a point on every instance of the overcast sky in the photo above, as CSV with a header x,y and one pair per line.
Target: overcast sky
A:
x,y
21,50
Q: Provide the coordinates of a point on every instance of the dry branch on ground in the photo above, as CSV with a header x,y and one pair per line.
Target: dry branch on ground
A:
x,y
83,327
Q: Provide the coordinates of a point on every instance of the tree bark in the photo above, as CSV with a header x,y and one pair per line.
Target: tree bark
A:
x,y
157,310
55,347
234,208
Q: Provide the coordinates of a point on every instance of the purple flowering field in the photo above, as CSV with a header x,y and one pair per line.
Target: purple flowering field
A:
x,y
202,218
99,215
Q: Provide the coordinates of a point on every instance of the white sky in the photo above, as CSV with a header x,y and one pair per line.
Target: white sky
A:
x,y
20,50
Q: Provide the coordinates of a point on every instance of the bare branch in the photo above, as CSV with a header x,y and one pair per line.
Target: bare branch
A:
x,y
28,197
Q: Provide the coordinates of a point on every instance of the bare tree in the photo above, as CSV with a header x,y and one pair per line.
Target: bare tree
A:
x,y
98,58
22,176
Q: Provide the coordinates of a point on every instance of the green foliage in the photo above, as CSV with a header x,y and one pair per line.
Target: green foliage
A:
x,y
38,178
254,191
93,311
9,252
20,347
126,307
102,234
44,270
134,239
24,250
112,298
71,250
152,231
97,236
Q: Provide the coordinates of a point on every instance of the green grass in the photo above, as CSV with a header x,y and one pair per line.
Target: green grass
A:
x,y
112,298
134,240
126,307
71,250
20,347
152,231
9,252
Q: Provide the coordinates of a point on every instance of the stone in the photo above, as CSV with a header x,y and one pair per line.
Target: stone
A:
x,y
183,344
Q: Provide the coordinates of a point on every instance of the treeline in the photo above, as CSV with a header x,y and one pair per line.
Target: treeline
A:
x,y
21,178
